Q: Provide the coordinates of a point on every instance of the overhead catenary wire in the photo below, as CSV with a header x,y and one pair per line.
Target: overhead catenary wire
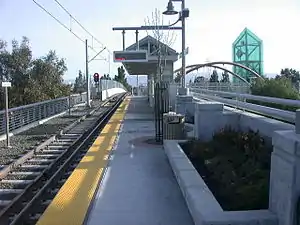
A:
x,y
93,37
57,20
69,29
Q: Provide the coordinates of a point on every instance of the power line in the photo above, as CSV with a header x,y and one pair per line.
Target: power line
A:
x,y
103,46
57,20
63,25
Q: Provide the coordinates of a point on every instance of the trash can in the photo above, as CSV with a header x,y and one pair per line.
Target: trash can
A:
x,y
173,126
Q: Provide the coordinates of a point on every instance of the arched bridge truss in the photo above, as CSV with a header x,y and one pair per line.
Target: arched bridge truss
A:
x,y
213,64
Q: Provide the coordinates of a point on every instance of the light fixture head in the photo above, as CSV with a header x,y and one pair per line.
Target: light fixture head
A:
x,y
170,9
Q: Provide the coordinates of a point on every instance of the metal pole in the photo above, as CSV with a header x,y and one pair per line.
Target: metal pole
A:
x,y
100,89
137,48
137,85
7,118
123,35
183,45
106,87
70,103
108,64
87,75
137,40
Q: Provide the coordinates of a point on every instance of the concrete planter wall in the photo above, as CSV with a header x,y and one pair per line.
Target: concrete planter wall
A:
x,y
285,166
204,208
210,116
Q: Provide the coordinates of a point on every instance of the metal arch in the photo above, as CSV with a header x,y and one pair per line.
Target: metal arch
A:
x,y
218,67
222,62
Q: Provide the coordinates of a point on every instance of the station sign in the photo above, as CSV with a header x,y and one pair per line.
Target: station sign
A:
x,y
131,56
186,51
6,84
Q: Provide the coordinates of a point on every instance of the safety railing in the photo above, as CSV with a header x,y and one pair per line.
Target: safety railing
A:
x,y
24,115
27,114
109,84
238,100
220,86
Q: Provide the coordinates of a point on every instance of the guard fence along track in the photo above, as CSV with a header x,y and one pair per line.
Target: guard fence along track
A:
x,y
28,186
31,138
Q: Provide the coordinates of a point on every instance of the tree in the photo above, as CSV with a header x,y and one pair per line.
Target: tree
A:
x,y
121,78
278,87
290,74
164,39
80,83
199,79
177,78
32,80
105,77
225,77
48,72
214,77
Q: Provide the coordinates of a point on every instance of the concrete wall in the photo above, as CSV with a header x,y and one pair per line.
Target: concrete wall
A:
x,y
110,92
237,119
285,162
203,207
107,93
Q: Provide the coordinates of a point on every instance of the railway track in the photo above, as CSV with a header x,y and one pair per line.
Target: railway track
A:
x,y
31,182
29,139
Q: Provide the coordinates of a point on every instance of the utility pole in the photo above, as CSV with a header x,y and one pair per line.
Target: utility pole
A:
x,y
87,75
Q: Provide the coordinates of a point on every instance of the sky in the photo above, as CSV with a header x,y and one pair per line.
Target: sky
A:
x,y
212,27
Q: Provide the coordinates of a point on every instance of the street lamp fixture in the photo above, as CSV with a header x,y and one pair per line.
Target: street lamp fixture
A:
x,y
184,13
170,9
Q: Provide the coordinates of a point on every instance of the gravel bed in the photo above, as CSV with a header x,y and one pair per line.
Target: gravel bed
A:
x,y
27,140
12,186
20,177
22,169
36,163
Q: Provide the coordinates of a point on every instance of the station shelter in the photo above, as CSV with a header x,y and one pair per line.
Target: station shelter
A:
x,y
150,57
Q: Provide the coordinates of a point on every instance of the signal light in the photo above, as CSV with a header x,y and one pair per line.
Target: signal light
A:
x,y
96,77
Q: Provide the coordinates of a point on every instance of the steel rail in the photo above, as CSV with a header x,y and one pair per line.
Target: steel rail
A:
x,y
18,207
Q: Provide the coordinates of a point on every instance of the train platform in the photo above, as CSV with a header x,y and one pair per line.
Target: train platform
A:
x,y
129,180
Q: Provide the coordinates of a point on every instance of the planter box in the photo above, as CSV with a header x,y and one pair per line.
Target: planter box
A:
x,y
204,208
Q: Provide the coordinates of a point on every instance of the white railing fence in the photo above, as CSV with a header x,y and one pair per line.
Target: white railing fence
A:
x,y
238,100
24,115
220,86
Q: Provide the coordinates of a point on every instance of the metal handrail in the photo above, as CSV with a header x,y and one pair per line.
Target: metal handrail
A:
x,y
27,114
281,101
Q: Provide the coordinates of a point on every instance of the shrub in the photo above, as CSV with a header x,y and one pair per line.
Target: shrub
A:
x,y
278,88
235,165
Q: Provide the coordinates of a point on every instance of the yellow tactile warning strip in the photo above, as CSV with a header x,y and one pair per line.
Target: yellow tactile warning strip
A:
x,y
71,203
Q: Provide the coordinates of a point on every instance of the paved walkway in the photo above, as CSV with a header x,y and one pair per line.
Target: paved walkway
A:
x,y
139,187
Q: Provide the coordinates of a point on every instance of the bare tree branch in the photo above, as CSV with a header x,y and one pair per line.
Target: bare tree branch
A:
x,y
164,39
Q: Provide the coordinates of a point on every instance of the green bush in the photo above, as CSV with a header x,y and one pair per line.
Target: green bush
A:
x,y
278,88
235,165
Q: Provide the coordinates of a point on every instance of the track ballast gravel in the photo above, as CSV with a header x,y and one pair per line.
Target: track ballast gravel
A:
x,y
25,141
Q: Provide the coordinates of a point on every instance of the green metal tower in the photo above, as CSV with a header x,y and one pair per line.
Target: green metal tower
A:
x,y
247,50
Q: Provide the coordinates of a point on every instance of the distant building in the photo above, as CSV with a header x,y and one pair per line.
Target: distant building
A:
x,y
247,50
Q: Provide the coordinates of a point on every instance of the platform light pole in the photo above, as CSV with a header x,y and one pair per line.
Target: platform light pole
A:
x,y
184,13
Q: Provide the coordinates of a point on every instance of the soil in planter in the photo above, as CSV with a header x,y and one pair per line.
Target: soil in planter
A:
x,y
235,165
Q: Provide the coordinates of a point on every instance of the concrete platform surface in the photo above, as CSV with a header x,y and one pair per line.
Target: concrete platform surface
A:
x,y
139,187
